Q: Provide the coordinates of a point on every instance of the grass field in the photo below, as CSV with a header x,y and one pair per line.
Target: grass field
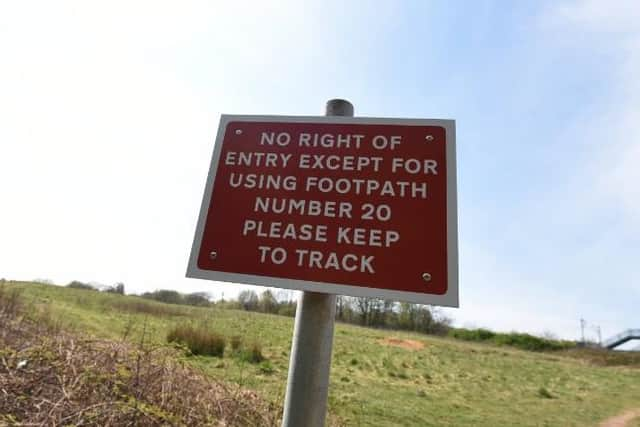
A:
x,y
378,378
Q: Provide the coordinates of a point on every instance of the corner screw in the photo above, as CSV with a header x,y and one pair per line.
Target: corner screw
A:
x,y
238,131
426,277
213,255
429,138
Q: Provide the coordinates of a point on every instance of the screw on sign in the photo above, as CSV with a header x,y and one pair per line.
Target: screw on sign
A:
x,y
340,205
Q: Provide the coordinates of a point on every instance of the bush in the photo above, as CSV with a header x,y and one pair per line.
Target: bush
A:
x,y
528,342
472,334
165,295
74,380
198,299
513,339
200,341
76,284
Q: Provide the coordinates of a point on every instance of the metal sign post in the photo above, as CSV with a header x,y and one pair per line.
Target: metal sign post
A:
x,y
310,363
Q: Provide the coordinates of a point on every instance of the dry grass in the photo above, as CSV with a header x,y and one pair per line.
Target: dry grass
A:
x,y
403,343
10,302
144,307
199,341
63,379
604,357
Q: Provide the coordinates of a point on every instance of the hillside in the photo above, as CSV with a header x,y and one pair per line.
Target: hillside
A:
x,y
378,377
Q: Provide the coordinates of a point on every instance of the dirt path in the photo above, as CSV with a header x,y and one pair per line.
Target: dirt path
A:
x,y
406,344
622,419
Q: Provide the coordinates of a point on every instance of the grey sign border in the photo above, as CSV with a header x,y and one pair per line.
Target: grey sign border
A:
x,y
450,298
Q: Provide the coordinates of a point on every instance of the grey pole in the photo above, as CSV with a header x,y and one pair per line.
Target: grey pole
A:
x,y
305,404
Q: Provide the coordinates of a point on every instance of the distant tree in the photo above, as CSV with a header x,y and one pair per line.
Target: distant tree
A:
x,y
76,284
200,299
248,300
287,308
341,303
363,307
268,303
118,288
165,295
432,321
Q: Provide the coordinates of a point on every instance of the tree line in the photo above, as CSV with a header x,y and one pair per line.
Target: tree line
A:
x,y
370,312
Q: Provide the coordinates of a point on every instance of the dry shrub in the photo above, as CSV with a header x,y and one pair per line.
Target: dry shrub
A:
x,y
199,341
10,301
63,379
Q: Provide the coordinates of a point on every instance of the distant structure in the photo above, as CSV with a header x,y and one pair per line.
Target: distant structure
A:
x,y
621,338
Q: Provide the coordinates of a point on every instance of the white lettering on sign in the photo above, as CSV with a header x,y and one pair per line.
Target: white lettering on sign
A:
x,y
369,187
282,139
262,181
333,261
367,237
334,162
257,159
414,166
277,205
328,140
276,255
279,230
381,142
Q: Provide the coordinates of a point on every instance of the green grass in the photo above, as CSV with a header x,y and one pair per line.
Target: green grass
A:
x,y
446,383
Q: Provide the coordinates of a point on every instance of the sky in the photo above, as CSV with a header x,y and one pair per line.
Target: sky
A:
x,y
109,110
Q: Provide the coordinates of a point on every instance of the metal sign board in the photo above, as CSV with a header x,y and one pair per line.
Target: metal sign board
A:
x,y
342,205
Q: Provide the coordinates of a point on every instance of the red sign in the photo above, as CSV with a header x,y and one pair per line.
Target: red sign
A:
x,y
353,206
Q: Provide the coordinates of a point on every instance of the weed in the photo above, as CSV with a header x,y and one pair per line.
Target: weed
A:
x,y
544,393
236,343
266,367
